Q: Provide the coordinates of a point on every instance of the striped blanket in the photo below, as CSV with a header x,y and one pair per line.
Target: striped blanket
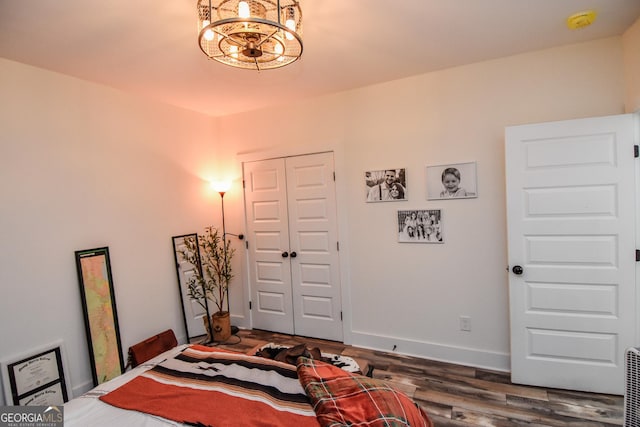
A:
x,y
212,387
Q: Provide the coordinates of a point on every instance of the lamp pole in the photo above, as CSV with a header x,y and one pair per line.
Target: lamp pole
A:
x,y
224,247
204,292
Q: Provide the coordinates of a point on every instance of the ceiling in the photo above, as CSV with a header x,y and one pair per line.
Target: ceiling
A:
x,y
150,47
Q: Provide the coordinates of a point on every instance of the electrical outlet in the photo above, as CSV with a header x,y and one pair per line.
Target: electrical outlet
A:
x,y
465,323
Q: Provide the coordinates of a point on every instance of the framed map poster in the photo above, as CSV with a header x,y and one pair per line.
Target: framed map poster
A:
x,y
100,314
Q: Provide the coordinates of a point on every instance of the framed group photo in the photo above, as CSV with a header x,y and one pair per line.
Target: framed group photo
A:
x,y
420,226
452,181
386,185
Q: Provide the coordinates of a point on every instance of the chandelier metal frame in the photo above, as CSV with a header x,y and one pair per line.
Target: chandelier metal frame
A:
x,y
250,34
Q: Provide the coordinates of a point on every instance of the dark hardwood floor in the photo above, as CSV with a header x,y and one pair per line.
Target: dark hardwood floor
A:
x,y
462,396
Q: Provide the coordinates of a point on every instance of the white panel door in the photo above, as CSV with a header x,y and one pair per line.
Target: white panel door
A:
x,y
313,236
293,253
268,238
571,236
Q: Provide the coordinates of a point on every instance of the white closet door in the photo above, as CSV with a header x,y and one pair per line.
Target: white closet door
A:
x,y
313,236
293,246
268,237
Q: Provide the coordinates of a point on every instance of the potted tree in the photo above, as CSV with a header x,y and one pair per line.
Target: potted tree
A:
x,y
215,257
211,257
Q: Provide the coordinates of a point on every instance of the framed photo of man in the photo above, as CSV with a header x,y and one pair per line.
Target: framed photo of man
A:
x,y
386,185
453,181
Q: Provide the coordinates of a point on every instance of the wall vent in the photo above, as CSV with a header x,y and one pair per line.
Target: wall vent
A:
x,y
632,388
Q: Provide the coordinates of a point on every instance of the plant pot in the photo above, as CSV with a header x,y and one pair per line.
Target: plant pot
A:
x,y
221,322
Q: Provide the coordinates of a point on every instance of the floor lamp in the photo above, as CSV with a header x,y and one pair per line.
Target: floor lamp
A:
x,y
222,187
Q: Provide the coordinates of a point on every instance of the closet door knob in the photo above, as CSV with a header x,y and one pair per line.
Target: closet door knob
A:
x,y
517,270
293,254
285,254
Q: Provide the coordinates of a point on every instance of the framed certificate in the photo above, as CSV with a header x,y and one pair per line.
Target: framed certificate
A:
x,y
37,379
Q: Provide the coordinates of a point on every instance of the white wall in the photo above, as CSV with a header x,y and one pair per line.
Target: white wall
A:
x,y
411,295
631,46
84,166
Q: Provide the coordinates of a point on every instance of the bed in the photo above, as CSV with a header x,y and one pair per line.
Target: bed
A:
x,y
207,386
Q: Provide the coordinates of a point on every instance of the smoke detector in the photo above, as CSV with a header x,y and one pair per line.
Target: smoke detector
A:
x,y
581,19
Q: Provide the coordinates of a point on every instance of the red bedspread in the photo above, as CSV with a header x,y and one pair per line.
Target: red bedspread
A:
x,y
213,387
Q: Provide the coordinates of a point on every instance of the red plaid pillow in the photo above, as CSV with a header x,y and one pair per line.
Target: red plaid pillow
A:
x,y
341,398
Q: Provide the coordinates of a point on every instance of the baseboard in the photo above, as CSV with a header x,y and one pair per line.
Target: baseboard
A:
x,y
81,389
240,321
443,353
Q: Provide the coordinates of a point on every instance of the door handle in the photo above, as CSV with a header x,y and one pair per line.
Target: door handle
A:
x,y
285,254
293,254
517,270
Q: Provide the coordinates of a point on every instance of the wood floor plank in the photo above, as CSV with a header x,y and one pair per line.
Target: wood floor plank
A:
x,y
462,390
583,410
399,382
496,411
439,421
591,399
442,411
494,376
474,386
474,418
421,367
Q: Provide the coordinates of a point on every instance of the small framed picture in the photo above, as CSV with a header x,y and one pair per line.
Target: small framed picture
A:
x,y
420,226
454,181
386,185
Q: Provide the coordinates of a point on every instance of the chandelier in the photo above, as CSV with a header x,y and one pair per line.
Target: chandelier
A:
x,y
250,34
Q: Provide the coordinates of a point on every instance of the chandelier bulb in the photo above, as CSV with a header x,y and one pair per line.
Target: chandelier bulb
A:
x,y
279,51
243,10
290,22
234,51
208,34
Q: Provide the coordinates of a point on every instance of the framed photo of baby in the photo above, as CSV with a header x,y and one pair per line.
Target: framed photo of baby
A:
x,y
420,226
454,181
386,185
